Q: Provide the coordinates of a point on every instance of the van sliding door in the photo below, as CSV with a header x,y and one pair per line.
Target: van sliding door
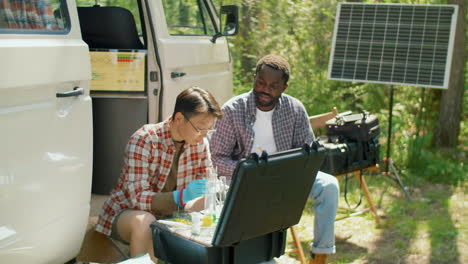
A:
x,y
46,132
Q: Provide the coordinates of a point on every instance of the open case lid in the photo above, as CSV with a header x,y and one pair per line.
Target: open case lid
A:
x,y
267,194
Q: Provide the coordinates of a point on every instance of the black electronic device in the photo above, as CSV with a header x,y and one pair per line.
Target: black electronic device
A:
x,y
266,196
351,142
353,127
350,156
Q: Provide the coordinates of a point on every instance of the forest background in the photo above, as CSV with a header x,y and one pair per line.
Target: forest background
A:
x,y
429,136
429,133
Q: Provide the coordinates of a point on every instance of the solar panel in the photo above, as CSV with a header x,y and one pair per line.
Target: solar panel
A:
x,y
393,44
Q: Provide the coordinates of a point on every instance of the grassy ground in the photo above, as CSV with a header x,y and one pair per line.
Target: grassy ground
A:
x,y
431,228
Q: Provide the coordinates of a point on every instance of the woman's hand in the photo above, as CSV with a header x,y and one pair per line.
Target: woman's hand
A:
x,y
195,205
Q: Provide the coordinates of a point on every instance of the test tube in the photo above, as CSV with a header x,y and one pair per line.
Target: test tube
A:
x,y
210,195
222,189
220,195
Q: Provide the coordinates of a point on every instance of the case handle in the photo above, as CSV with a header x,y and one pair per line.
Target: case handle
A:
x,y
316,146
306,147
253,156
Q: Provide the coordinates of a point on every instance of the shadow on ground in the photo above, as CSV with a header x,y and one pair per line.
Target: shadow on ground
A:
x,y
417,231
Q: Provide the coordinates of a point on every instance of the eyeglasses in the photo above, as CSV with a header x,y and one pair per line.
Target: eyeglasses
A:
x,y
200,131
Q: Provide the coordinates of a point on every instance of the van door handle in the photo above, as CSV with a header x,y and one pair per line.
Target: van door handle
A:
x,y
177,74
77,91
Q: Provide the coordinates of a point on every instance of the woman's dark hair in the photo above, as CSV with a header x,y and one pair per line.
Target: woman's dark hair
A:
x,y
194,100
276,62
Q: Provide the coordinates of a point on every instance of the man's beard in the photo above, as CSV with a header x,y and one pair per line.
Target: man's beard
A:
x,y
260,103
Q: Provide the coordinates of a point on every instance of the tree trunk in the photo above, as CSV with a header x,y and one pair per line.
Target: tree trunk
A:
x,y
448,125
247,39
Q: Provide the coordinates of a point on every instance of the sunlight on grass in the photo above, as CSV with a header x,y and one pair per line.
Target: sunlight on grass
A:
x,y
432,228
420,245
459,209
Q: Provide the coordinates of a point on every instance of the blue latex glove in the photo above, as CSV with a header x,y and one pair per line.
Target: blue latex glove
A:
x,y
193,190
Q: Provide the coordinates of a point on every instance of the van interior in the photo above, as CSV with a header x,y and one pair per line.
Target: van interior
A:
x,y
117,43
124,64
116,40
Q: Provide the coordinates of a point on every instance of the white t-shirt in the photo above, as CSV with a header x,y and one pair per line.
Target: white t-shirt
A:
x,y
263,129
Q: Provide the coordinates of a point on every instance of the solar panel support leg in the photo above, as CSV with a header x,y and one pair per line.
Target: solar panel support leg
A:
x,y
390,169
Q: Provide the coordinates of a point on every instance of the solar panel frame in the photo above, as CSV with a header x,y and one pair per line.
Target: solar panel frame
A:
x,y
400,44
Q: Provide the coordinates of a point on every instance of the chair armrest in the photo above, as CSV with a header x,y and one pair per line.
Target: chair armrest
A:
x,y
318,121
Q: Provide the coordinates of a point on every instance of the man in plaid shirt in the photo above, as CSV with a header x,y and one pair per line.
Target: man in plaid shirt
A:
x,y
266,119
164,169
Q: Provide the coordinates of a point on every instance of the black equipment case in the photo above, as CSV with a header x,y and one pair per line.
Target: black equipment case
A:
x,y
350,156
354,127
351,142
267,195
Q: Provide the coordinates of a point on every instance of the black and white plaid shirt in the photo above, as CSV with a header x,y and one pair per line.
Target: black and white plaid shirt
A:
x,y
234,134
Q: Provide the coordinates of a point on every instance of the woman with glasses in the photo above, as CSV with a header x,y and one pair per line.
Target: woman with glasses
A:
x,y
164,170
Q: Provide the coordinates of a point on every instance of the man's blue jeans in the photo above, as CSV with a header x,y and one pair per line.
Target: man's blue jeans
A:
x,y
325,194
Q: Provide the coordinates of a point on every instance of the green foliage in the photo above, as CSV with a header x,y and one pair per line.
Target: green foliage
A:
x,y
301,31
438,166
183,17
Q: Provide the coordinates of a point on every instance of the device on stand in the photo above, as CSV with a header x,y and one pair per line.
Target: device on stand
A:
x,y
395,44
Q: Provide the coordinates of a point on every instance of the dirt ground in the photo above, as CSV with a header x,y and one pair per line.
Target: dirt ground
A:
x,y
432,228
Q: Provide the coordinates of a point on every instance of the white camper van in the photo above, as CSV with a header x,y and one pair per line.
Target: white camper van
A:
x,y
77,78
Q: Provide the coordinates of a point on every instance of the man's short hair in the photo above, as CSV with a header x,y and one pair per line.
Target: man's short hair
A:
x,y
194,100
276,62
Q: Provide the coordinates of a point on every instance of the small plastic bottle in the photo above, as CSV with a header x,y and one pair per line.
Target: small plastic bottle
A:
x,y
196,223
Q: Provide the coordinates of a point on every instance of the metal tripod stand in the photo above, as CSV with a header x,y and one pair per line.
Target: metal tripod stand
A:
x,y
390,169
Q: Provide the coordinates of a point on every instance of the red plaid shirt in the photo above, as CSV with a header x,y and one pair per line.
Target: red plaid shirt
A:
x,y
147,163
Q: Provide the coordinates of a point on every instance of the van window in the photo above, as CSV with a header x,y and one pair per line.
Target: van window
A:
x,y
113,31
131,5
188,17
40,16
